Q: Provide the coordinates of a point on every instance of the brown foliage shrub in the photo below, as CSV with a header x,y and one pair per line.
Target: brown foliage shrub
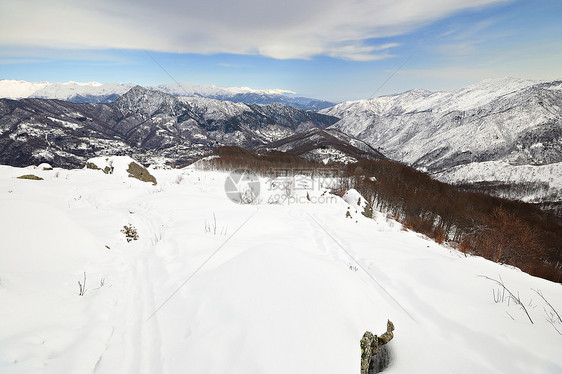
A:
x,y
438,234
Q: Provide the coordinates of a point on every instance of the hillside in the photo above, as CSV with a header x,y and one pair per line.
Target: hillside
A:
x,y
325,146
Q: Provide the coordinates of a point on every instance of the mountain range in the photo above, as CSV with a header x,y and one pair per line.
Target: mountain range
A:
x,y
152,126
94,92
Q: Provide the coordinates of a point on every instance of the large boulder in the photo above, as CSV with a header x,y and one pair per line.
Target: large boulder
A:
x,y
137,171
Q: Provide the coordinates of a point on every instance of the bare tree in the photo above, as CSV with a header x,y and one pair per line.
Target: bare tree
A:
x,y
515,299
82,286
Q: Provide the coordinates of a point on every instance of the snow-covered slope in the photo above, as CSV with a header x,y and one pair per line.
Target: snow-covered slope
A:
x,y
508,119
215,287
503,172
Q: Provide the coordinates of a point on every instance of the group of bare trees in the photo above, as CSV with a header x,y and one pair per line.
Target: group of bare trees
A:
x,y
267,163
500,230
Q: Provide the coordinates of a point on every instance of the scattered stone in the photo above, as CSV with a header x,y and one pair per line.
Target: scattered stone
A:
x,y
353,197
121,165
45,166
368,210
106,170
130,232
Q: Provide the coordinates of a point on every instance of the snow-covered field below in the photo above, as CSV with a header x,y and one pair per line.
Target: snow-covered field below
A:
x,y
501,171
215,287
549,176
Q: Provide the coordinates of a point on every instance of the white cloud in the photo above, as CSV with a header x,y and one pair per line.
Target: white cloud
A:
x,y
279,29
470,74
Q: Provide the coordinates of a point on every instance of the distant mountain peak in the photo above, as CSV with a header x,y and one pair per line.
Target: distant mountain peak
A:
x,y
325,145
146,102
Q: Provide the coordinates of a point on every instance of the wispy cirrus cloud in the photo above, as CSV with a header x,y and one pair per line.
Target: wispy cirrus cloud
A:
x,y
234,66
13,61
290,29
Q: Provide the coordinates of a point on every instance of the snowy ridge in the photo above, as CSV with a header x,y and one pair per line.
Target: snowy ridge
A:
x,y
77,91
185,89
279,285
419,100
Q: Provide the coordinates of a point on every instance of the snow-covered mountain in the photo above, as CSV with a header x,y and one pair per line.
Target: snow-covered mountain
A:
x,y
511,120
150,125
94,92
210,286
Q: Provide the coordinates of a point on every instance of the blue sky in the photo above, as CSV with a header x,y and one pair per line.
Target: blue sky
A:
x,y
319,48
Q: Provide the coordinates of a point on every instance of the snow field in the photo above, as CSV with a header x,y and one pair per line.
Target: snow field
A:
x,y
276,288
